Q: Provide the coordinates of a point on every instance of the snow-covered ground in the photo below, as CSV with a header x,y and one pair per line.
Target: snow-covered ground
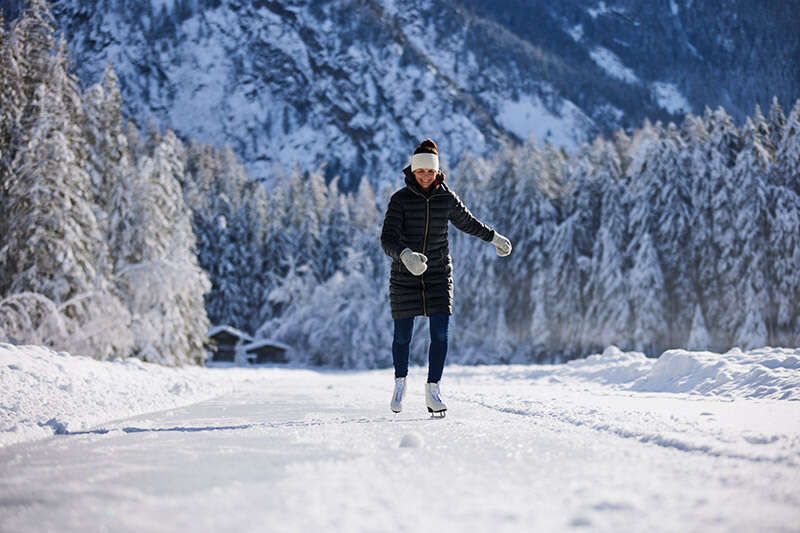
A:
x,y
615,442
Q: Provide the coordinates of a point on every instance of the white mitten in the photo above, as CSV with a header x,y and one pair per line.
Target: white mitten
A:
x,y
501,244
415,262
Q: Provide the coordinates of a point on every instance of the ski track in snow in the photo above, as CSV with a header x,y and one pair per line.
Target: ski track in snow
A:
x,y
294,450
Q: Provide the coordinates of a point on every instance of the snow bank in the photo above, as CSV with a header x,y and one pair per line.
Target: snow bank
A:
x,y
769,373
43,392
764,373
772,373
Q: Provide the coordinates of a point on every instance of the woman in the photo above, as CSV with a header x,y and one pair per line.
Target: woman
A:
x,y
414,235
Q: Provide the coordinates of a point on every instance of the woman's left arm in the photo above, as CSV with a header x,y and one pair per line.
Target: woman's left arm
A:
x,y
461,218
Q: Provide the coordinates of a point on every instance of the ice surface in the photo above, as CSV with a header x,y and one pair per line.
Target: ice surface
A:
x,y
545,448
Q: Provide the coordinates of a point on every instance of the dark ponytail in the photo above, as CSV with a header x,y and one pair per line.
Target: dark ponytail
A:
x,y
427,146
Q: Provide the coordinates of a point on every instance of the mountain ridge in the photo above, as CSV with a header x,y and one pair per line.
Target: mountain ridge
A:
x,y
353,85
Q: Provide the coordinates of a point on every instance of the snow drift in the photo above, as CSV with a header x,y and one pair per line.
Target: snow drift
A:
x,y
43,392
770,373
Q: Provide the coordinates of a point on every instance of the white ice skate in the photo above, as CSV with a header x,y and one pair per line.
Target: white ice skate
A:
x,y
399,394
433,400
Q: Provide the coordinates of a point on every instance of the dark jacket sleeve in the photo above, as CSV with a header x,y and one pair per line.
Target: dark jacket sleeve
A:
x,y
392,227
463,220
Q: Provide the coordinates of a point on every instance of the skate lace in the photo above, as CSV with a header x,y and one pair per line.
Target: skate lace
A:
x,y
435,394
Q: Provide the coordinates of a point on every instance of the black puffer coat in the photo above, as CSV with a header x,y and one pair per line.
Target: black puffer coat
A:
x,y
418,220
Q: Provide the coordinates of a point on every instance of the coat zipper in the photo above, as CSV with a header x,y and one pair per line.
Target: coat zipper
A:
x,y
425,244
424,247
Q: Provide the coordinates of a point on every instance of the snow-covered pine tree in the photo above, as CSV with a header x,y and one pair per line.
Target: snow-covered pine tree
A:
x,y
109,157
534,222
784,264
475,298
337,235
717,264
230,217
53,246
670,226
160,276
647,299
608,315
646,296
784,228
565,308
365,214
33,42
764,131
787,156
301,225
580,203
585,181
539,347
320,201
700,242
776,123
11,107
247,273
544,182
290,295
366,223
747,318
699,338
513,185
279,250
607,310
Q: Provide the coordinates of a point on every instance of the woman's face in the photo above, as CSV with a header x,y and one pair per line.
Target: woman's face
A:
x,y
425,177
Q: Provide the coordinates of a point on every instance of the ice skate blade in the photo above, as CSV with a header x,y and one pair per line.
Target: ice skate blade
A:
x,y
437,414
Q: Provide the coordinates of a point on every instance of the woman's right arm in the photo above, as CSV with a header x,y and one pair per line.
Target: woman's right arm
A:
x,y
392,229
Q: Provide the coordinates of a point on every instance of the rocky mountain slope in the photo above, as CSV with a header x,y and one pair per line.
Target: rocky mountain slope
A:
x,y
353,84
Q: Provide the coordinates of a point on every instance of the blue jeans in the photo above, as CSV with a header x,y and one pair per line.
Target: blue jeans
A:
x,y
437,352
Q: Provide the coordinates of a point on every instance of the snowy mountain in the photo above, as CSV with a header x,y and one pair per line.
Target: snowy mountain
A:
x,y
354,84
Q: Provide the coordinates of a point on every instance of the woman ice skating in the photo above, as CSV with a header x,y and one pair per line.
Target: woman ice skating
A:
x,y
414,235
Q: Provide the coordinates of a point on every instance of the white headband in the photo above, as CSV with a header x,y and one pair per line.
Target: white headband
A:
x,y
424,161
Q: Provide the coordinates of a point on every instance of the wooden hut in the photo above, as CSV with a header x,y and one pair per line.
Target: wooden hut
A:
x,y
266,351
226,342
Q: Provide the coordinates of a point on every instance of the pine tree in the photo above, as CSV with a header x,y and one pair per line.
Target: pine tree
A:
x,y
476,304
784,262
777,122
11,108
607,313
647,297
608,316
109,156
34,37
53,244
670,227
161,279
565,298
540,343
787,156
699,338
717,263
747,274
